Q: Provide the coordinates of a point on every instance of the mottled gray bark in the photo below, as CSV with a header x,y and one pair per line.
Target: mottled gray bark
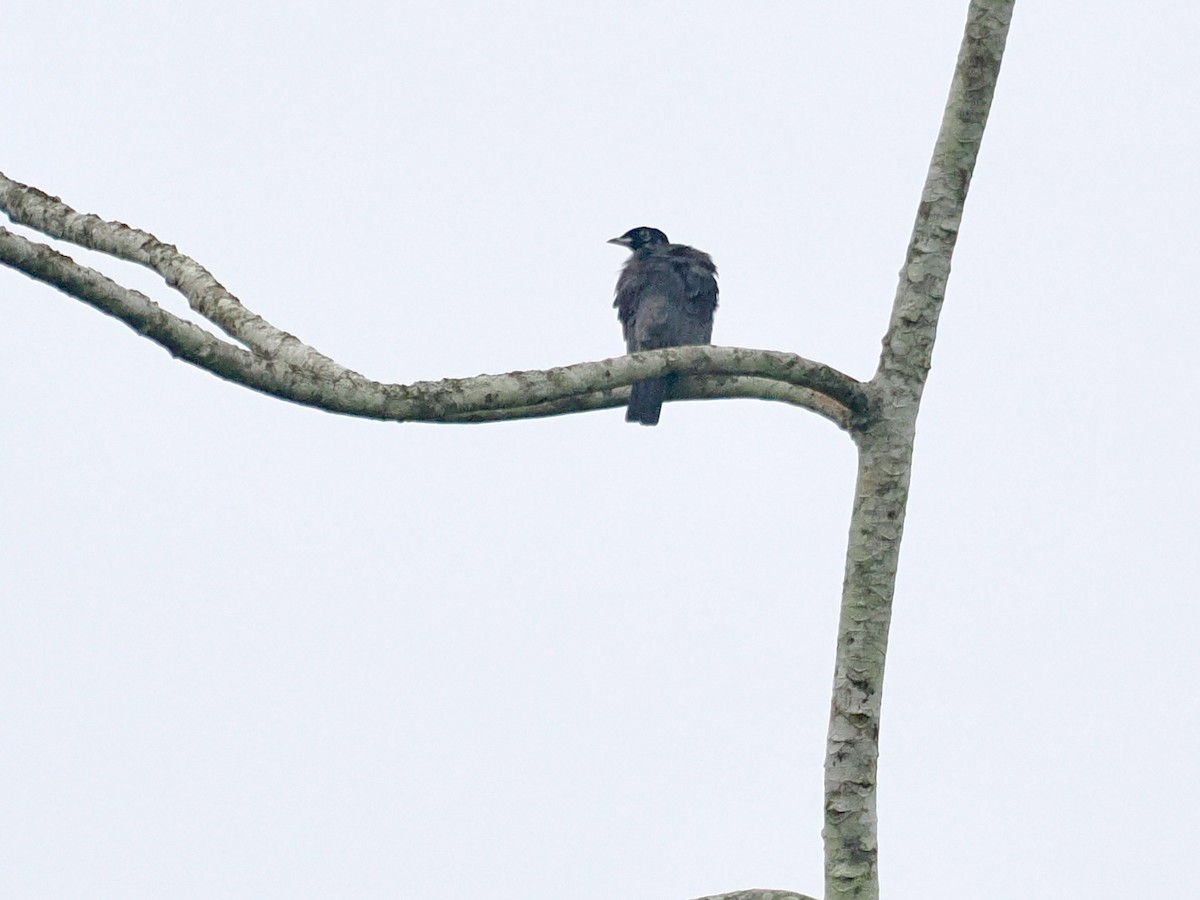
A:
x,y
880,414
885,445
270,360
758,894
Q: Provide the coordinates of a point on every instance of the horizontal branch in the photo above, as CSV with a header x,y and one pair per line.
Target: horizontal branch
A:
x,y
729,371
759,894
705,387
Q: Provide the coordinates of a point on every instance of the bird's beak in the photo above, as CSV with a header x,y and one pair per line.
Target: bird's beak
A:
x,y
619,241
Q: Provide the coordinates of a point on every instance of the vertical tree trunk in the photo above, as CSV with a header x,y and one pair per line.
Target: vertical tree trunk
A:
x,y
885,463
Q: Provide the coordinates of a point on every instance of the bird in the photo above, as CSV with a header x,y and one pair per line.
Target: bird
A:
x,y
665,297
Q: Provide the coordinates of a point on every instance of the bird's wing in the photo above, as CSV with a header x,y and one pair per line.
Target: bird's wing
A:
x,y
699,278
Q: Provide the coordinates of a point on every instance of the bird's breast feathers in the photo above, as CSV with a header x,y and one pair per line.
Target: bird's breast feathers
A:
x,y
681,273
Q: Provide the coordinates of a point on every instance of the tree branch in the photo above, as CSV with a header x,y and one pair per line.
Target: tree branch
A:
x,y
710,387
885,448
35,209
759,894
908,344
731,371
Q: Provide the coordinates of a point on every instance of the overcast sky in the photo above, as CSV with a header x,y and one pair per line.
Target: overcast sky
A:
x,y
248,649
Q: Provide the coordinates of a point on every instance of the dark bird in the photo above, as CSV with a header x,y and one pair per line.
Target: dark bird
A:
x,y
665,297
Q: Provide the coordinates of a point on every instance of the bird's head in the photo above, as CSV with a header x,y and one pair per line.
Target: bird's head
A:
x,y
636,238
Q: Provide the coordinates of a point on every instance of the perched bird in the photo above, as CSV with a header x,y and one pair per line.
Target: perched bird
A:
x,y
665,297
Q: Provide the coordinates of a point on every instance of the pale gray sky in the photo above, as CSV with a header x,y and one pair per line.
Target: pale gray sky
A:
x,y
252,650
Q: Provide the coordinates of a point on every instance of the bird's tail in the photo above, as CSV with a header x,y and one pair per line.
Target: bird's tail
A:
x,y
646,400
